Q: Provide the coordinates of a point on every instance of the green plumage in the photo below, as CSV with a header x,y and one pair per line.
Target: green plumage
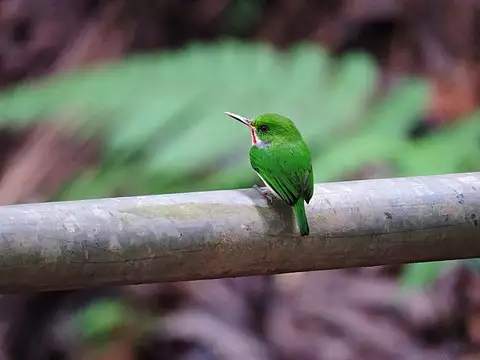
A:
x,y
282,159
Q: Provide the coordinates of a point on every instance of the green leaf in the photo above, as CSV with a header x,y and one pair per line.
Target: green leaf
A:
x,y
100,319
419,275
444,152
161,115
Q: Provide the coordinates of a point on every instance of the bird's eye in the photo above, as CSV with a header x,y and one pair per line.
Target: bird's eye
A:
x,y
263,128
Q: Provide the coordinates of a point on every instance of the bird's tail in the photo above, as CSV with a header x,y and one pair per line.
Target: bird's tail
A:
x,y
299,210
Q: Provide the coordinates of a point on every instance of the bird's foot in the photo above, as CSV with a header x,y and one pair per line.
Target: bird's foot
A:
x,y
267,194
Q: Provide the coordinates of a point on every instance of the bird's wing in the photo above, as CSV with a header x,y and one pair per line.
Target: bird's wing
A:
x,y
308,184
286,169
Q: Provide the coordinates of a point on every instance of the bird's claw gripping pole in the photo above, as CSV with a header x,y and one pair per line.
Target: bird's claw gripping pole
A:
x,y
267,194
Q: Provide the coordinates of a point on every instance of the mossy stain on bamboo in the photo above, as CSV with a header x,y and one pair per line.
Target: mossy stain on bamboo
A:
x,y
196,211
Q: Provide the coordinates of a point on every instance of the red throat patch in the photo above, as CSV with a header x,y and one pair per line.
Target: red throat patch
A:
x,y
254,139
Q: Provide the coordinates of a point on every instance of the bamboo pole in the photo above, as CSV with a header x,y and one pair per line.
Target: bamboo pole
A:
x,y
190,236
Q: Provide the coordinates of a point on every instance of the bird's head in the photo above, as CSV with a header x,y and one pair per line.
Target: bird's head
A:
x,y
269,128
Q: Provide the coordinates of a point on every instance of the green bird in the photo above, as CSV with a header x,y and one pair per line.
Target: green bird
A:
x,y
282,160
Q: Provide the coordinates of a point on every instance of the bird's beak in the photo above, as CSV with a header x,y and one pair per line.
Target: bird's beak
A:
x,y
242,119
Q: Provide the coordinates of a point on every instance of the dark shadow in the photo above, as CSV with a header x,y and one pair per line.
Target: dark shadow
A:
x,y
284,224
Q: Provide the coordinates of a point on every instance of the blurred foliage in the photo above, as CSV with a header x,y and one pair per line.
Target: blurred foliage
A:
x,y
101,319
160,117
419,275
109,326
